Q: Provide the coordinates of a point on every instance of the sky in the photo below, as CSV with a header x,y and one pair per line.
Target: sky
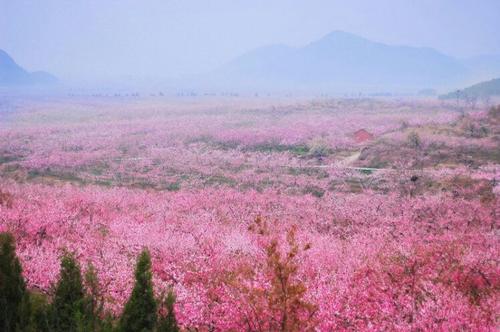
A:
x,y
101,39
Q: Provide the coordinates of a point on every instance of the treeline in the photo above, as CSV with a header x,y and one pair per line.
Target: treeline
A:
x,y
77,303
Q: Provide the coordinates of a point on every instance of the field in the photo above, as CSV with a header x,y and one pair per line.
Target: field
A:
x,y
330,214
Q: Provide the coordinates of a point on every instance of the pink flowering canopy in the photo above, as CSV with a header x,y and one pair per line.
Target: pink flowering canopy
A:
x,y
397,233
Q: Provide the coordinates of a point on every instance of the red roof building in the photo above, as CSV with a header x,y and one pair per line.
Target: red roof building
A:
x,y
362,135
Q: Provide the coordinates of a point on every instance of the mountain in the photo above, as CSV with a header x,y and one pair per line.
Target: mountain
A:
x,y
341,60
11,74
484,89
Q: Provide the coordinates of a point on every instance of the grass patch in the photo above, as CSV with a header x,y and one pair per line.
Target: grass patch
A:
x,y
104,183
270,147
4,159
309,171
215,180
143,184
172,186
56,175
314,190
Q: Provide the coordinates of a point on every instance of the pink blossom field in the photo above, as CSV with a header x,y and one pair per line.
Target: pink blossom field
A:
x,y
237,197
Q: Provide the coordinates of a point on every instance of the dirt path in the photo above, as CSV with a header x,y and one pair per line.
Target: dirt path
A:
x,y
349,160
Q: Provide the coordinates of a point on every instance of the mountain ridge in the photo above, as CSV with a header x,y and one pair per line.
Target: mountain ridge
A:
x,y
345,60
490,88
11,74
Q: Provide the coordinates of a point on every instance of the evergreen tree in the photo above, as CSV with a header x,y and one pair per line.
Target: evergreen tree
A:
x,y
93,303
34,313
168,323
107,323
140,311
12,284
68,303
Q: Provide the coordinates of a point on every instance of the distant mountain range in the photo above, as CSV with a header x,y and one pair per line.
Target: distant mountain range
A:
x,y
339,62
489,88
343,61
11,74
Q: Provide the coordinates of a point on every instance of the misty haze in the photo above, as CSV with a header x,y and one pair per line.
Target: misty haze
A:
x,y
249,165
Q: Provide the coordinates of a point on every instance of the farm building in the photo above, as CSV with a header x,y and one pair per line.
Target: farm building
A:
x,y
362,135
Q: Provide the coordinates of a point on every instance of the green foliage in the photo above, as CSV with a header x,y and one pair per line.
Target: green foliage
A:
x,y
314,190
4,159
140,311
222,180
173,186
78,305
68,304
299,150
107,324
168,322
35,313
270,147
309,171
366,171
12,285
93,303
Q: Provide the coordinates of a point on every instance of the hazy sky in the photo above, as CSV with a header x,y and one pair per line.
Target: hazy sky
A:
x,y
161,38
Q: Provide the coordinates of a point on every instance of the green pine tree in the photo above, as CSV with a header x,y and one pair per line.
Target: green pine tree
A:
x,y
68,304
107,324
12,285
34,313
93,303
140,311
168,323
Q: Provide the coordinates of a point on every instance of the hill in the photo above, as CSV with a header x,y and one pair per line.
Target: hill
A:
x,y
11,74
342,60
484,89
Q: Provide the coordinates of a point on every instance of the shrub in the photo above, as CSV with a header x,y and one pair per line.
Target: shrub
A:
x,y
286,298
318,148
278,301
414,140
